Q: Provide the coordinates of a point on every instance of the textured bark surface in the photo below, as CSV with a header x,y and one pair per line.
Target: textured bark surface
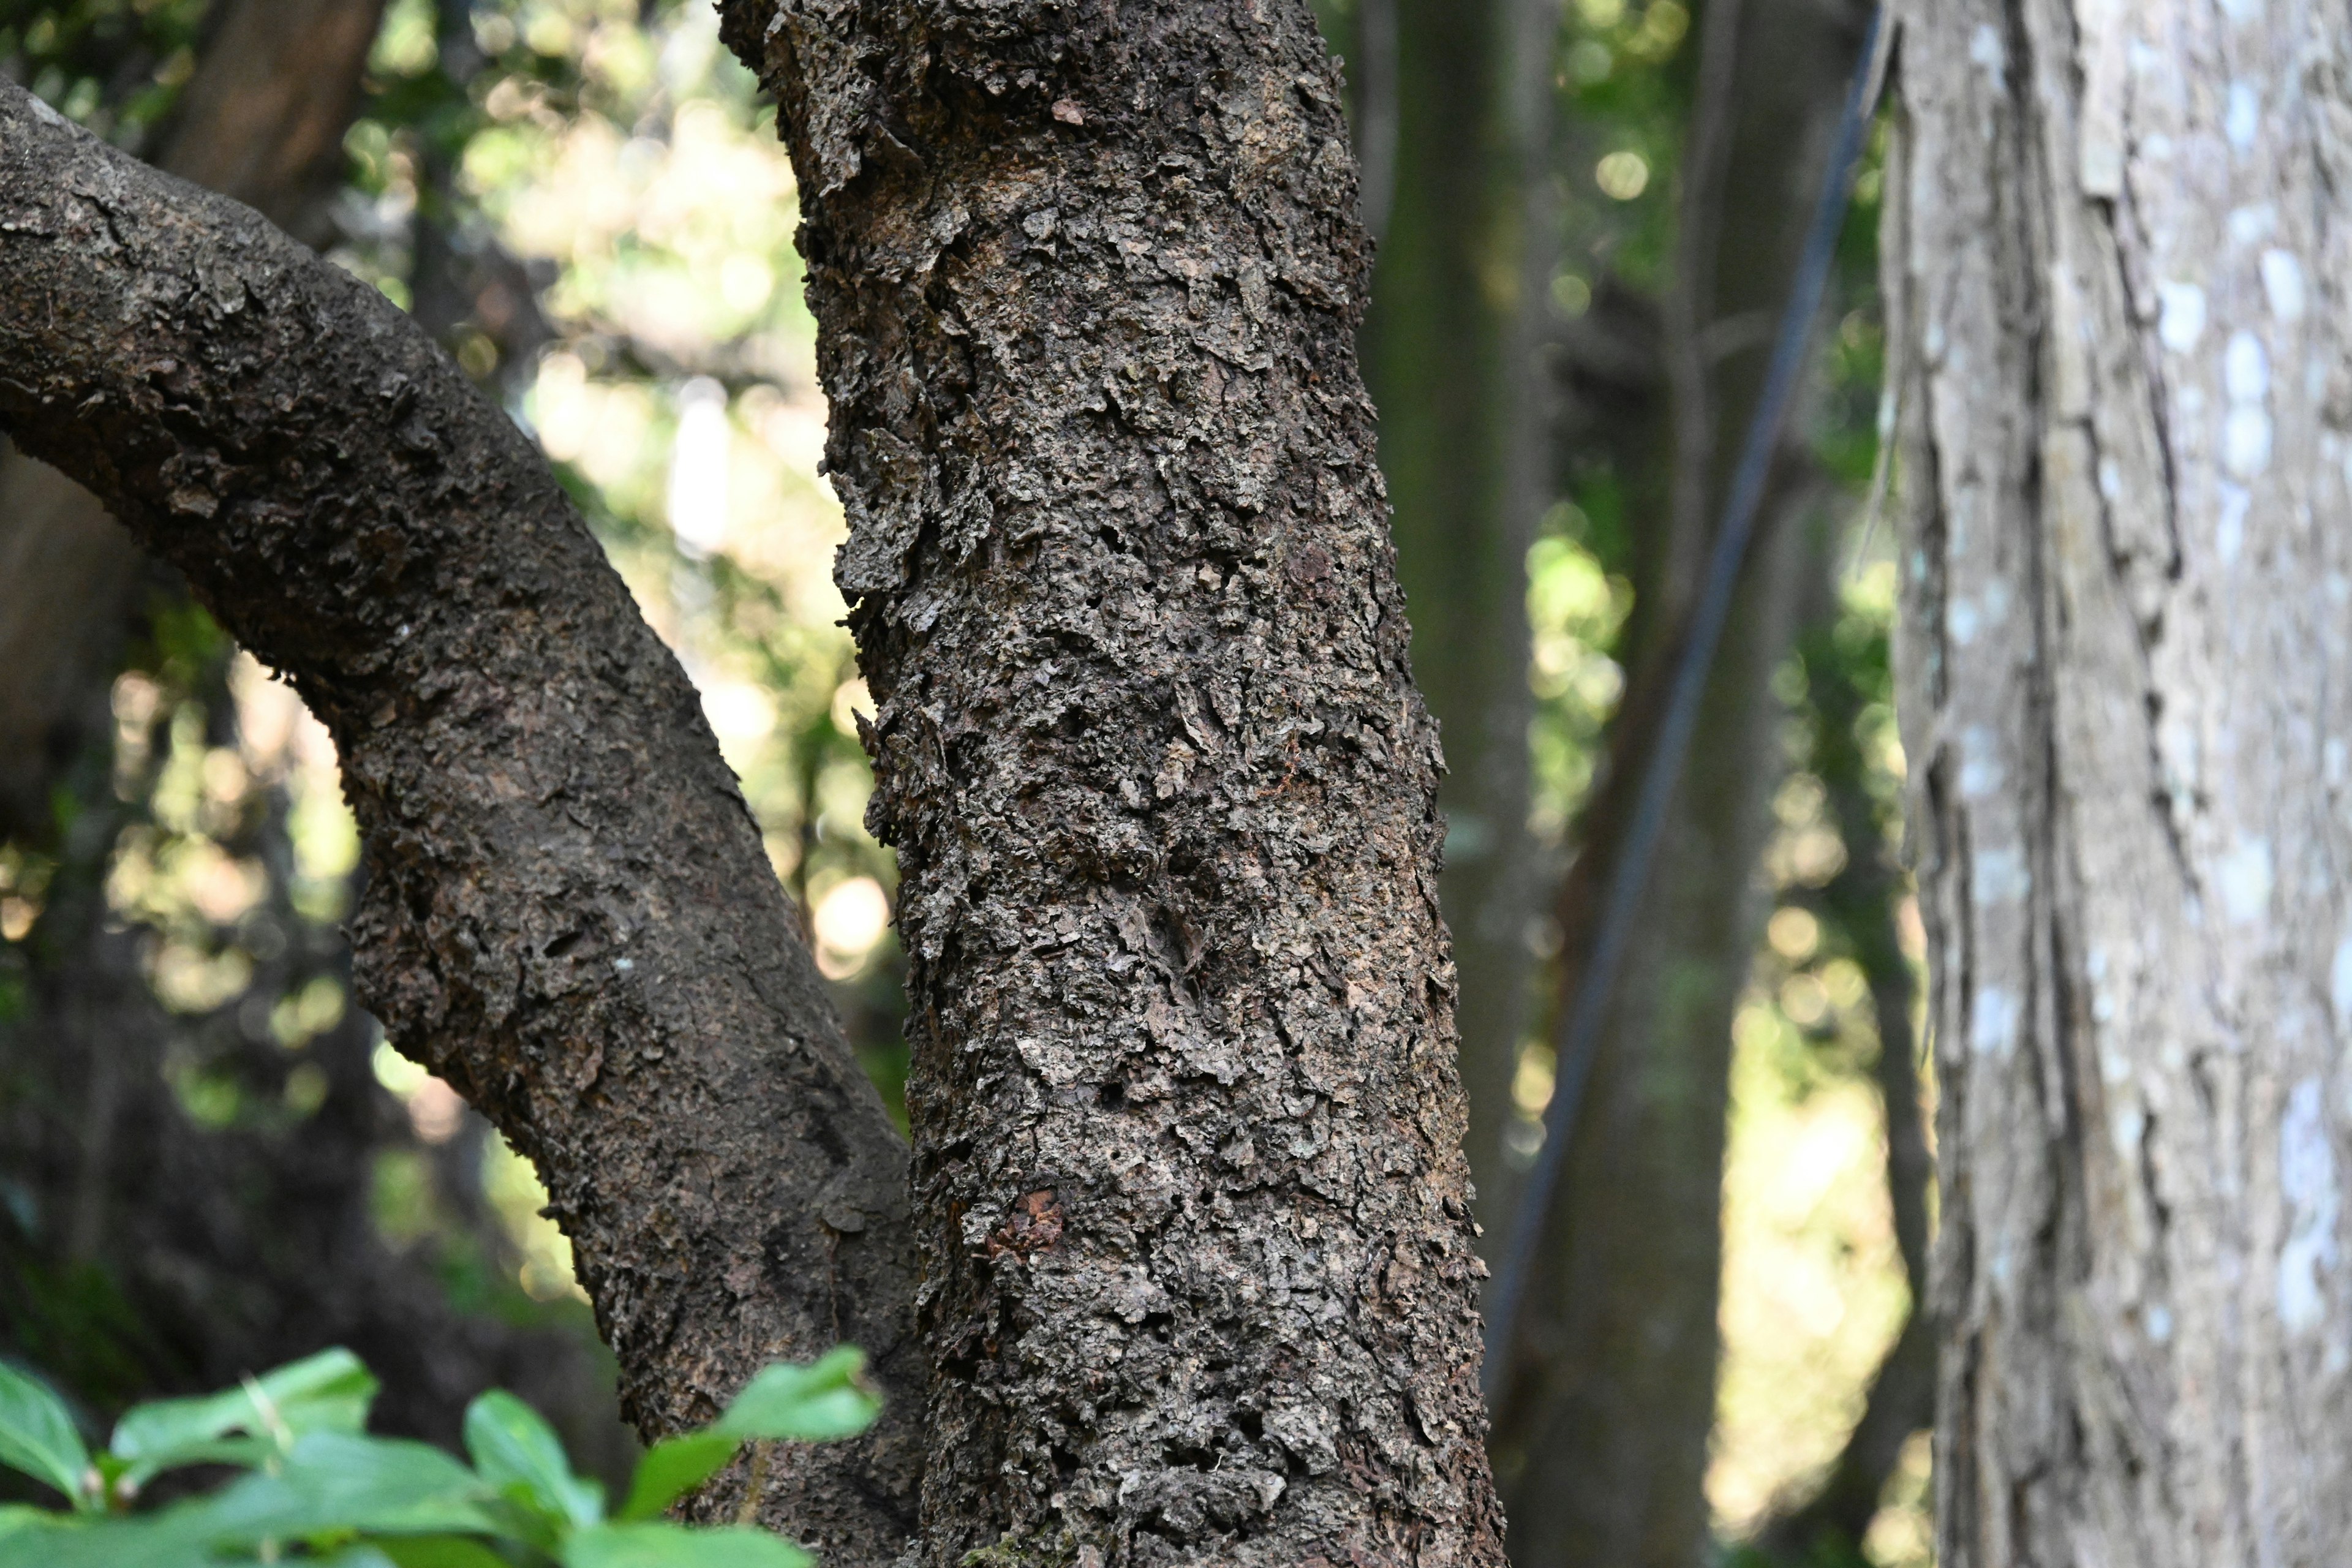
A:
x,y
2120,270
262,121
1200,1285
1603,1436
568,912
1447,356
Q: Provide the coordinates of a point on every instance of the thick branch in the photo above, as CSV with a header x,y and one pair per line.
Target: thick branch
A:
x,y
263,121
568,910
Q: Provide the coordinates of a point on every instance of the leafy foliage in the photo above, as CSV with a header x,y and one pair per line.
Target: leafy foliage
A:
x,y
317,1488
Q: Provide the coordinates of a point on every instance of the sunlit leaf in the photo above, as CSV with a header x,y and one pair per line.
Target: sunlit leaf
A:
x,y
330,1392
518,1453
814,1404
37,1436
673,1468
335,1481
676,1546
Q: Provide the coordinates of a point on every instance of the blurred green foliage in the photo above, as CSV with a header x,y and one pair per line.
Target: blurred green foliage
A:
x,y
314,1482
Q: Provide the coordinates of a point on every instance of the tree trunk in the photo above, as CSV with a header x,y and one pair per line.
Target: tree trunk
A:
x,y
1604,1436
1200,1284
262,121
1451,351
2117,264
568,912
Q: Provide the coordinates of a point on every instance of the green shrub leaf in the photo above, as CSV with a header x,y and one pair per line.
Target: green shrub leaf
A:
x,y
437,1552
335,1482
330,1392
519,1454
815,1403
84,1541
676,1546
673,1468
37,1437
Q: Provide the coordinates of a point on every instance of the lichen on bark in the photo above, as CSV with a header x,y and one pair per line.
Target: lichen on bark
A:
x,y
2116,265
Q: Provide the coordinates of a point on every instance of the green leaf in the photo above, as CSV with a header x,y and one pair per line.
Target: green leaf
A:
x,y
84,1541
814,1404
437,1552
519,1454
37,1436
676,1546
330,1392
334,1481
673,1468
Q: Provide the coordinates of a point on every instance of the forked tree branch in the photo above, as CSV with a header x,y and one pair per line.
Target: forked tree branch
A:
x,y
568,910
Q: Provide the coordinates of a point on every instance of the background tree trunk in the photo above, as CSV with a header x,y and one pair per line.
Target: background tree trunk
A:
x,y
1452,348
2117,264
1602,1437
1200,1282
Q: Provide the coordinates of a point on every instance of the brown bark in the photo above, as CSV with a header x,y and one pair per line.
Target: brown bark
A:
x,y
1603,1434
2117,269
568,912
1200,1285
262,121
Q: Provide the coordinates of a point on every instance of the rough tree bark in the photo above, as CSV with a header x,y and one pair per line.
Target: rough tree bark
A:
x,y
262,121
568,913
2119,266
1200,1284
1603,1438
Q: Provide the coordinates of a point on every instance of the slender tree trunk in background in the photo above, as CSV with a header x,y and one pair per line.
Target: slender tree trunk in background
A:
x,y
2117,264
1602,1439
1200,1285
262,121
568,911
1459,302
1862,900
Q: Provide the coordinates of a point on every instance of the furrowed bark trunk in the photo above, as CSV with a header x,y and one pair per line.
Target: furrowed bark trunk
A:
x,y
1200,1285
2117,264
262,121
1603,1436
1450,345
568,912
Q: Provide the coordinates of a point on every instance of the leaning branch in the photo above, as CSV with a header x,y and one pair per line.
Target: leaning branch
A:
x,y
568,911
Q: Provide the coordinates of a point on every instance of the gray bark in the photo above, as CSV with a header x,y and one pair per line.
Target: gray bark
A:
x,y
1200,1284
2117,264
568,913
